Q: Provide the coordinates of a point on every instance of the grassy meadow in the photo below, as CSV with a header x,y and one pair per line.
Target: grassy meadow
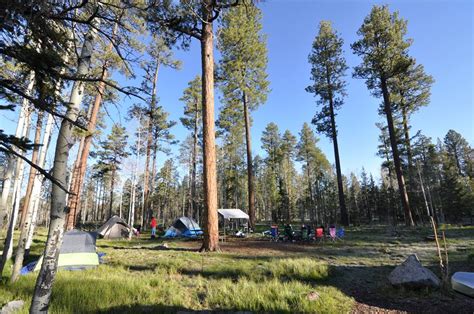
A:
x,y
255,275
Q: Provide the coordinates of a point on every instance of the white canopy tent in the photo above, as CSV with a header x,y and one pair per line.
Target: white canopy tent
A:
x,y
233,213
233,218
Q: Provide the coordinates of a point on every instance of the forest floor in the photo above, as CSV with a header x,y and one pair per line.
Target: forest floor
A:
x,y
256,275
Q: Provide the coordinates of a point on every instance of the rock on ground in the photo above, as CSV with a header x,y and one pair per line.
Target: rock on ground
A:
x,y
12,307
411,274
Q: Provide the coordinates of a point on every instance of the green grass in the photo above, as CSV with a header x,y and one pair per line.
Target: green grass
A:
x,y
140,277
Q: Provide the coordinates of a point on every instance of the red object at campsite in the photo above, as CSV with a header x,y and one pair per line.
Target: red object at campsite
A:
x,y
319,233
153,222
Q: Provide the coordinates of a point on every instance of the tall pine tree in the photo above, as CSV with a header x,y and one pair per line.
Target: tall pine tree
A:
x,y
327,72
242,70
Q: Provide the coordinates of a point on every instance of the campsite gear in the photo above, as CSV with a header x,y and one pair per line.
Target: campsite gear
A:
x,y
463,282
184,227
240,234
274,233
304,232
289,232
332,233
77,252
340,233
232,219
114,228
319,234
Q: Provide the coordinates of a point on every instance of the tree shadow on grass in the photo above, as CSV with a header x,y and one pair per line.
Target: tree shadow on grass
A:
x,y
150,248
140,308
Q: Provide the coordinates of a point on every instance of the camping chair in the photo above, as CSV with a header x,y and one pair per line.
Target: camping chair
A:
x,y
274,233
340,234
289,233
304,233
319,235
332,233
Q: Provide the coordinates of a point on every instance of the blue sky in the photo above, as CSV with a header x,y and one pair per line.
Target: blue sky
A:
x,y
443,43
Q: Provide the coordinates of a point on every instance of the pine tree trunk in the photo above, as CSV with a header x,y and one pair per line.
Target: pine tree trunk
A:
x,y
396,156
340,187
112,186
146,181
153,175
32,209
211,231
310,188
21,129
75,199
34,159
65,140
70,220
250,176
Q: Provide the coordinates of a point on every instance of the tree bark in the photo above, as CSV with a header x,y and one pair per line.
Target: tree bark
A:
x,y
14,204
47,273
34,159
194,208
340,187
21,128
250,175
112,186
32,208
74,199
396,156
146,179
211,231
310,187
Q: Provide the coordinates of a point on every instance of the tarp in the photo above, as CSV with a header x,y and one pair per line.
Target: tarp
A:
x,y
233,213
114,228
78,251
463,282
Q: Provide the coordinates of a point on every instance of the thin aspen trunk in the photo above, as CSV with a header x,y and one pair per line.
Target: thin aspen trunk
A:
x,y
97,199
15,202
250,175
134,187
194,208
34,159
65,140
120,205
85,212
211,231
24,117
27,227
396,156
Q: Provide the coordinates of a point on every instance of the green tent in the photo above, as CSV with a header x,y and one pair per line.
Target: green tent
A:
x,y
78,251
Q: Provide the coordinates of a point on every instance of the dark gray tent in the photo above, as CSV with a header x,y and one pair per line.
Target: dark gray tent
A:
x,y
114,228
78,251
